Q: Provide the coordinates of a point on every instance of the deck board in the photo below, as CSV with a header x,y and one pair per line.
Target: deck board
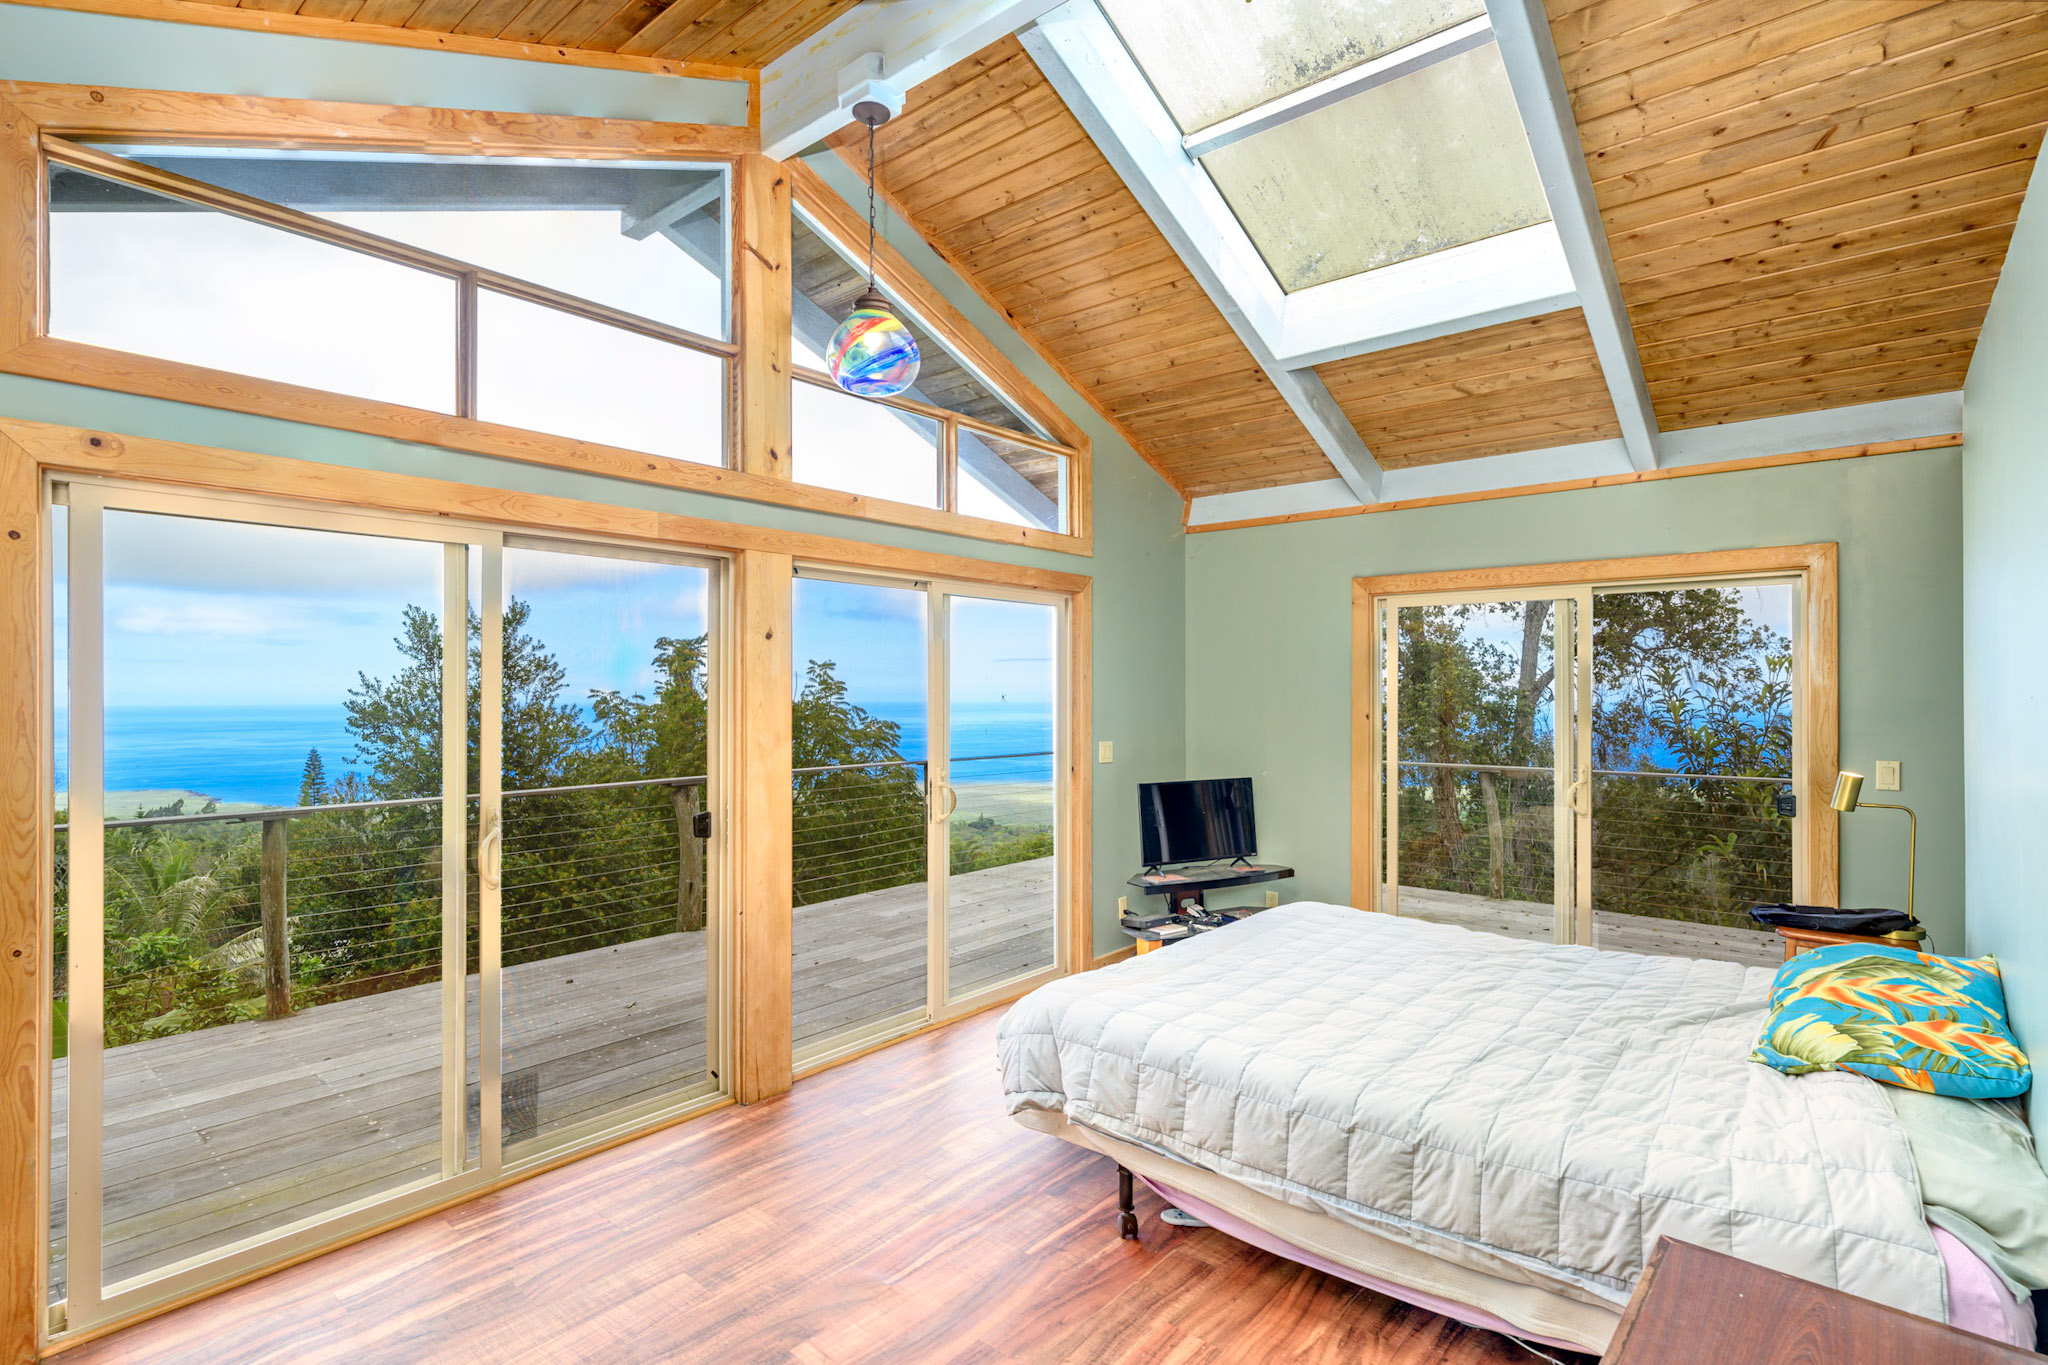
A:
x,y
241,1129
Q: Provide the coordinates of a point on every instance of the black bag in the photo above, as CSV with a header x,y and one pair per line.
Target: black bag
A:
x,y
1830,920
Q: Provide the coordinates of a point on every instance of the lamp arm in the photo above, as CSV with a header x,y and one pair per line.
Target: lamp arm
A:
x,y
1912,845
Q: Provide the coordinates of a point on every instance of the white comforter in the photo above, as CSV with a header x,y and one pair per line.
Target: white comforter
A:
x,y
1528,1110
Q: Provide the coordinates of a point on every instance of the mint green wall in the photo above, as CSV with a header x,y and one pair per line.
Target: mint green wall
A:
x,y
2005,634
1136,566
1269,638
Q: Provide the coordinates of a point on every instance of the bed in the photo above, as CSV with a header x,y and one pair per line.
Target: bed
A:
x,y
1493,1129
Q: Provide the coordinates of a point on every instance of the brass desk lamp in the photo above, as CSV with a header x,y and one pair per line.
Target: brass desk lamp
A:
x,y
1848,797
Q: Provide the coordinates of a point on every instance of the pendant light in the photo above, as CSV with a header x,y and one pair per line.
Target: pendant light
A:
x,y
872,354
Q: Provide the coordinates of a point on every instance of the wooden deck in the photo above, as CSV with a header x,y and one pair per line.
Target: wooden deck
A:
x,y
234,1131
1617,933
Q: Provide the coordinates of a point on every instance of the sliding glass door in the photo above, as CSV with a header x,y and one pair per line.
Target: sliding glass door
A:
x,y
927,737
1485,764
1610,764
382,866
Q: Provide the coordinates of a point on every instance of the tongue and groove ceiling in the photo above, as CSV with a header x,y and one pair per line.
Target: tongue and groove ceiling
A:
x,y
1806,206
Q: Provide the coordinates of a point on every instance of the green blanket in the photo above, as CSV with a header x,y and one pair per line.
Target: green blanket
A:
x,y
1980,1180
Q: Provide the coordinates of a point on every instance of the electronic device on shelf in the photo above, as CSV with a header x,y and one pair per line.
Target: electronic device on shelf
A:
x,y
1195,822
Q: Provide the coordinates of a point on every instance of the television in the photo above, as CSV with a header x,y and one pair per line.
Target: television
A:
x,y
1194,822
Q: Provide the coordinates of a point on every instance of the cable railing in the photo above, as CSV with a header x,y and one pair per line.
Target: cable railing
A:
x,y
1676,845
217,916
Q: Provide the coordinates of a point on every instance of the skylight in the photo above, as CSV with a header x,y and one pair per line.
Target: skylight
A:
x,y
1344,137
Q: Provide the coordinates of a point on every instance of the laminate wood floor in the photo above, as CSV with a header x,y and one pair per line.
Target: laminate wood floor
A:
x,y
886,1210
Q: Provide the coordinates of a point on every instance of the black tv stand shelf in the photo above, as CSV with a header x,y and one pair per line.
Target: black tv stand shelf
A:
x,y
1185,886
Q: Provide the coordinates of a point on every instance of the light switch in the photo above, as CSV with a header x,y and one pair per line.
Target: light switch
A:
x,y
1105,752
1887,774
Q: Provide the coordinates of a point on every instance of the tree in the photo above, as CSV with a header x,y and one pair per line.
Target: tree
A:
x,y
860,826
313,780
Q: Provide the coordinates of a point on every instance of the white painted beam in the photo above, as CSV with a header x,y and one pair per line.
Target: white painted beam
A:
x,y
917,39
1530,56
1331,90
1087,65
1898,419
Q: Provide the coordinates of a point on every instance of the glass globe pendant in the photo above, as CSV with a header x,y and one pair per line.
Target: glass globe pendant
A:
x,y
872,353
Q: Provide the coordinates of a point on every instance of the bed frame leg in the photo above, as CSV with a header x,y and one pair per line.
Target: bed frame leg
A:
x,y
1126,1205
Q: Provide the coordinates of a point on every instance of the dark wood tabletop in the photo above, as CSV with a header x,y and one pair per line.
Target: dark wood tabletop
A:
x,y
1694,1305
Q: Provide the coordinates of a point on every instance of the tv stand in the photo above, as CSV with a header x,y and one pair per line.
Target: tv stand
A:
x,y
1184,888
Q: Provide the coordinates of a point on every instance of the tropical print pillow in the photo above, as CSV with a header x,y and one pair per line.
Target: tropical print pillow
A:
x,y
1905,1018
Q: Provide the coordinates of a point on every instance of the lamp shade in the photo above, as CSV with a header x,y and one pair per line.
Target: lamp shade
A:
x,y
1848,791
873,354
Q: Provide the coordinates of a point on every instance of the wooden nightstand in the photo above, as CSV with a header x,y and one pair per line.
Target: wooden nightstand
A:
x,y
1798,941
1693,1305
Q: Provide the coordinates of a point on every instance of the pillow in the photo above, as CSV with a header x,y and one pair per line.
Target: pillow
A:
x,y
1905,1018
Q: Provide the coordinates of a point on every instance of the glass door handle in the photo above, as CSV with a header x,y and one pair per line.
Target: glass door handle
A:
x,y
952,802
490,856
1579,797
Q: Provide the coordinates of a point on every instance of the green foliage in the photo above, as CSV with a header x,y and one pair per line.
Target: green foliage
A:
x,y
582,869
1686,682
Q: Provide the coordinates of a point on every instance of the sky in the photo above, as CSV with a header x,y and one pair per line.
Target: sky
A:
x,y
210,289
1002,652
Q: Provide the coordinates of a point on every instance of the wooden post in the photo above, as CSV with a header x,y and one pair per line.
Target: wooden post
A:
x,y
1496,852
761,867
277,950
761,306
690,873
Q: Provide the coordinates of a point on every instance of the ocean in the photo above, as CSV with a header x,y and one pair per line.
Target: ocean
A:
x,y
250,754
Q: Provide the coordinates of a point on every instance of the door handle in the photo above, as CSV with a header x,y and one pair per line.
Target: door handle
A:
x,y
490,856
952,802
1579,797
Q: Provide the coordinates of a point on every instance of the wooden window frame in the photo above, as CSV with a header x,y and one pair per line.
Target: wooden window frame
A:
x,y
1817,866
34,117
756,1008
841,226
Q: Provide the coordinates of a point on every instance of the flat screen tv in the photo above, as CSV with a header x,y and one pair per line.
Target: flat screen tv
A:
x,y
1194,822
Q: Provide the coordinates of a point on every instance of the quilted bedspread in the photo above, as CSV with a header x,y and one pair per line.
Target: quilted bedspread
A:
x,y
1540,1112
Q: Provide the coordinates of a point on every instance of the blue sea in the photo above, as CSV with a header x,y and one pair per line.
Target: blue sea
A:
x,y
250,754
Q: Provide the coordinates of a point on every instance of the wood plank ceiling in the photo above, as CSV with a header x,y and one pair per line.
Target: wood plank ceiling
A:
x,y
1808,203
1000,178
1515,386
729,32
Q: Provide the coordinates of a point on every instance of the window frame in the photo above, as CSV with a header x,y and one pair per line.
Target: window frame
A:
x,y
759,379
841,227
1814,570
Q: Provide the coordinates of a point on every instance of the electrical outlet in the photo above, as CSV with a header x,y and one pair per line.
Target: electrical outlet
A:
x,y
1105,752
1123,905
1272,899
1887,774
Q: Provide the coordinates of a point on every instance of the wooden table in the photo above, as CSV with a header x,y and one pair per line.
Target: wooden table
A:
x,y
1798,941
1694,1305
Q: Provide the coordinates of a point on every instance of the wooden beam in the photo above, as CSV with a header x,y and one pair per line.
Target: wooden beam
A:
x,y
1077,860
177,464
24,940
311,26
761,303
762,855
800,90
1522,29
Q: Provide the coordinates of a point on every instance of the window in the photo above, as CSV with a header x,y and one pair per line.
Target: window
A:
x,y
953,441
1630,764
581,299
1343,137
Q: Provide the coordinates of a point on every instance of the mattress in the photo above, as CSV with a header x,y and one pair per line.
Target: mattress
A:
x,y
1534,1115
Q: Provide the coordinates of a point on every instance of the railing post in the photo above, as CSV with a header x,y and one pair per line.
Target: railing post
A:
x,y
277,952
690,870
